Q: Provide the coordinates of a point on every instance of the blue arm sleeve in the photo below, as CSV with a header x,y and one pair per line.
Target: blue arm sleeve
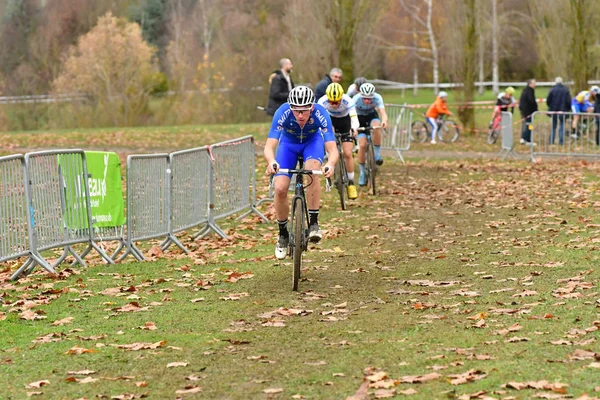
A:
x,y
277,124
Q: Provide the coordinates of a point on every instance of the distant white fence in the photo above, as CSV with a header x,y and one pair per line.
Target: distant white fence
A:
x,y
384,84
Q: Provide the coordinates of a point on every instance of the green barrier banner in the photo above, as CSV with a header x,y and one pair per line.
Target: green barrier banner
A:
x,y
106,191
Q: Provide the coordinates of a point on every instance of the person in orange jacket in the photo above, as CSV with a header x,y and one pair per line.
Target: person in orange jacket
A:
x,y
439,107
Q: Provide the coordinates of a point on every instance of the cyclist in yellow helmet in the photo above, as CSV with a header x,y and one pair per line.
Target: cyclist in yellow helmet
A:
x,y
503,102
345,122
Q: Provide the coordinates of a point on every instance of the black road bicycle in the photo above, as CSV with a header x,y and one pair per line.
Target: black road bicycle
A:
x,y
370,165
298,227
341,180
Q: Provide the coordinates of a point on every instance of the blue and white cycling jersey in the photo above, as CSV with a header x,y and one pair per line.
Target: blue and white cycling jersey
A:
x,y
346,107
581,102
294,141
285,128
364,109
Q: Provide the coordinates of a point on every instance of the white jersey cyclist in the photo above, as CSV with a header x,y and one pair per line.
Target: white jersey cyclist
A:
x,y
345,108
363,108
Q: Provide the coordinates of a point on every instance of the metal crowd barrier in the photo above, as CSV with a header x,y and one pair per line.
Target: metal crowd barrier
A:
x,y
59,202
233,177
45,200
148,201
15,240
508,138
579,142
190,189
397,136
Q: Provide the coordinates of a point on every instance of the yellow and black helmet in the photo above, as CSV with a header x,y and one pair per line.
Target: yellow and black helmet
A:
x,y
334,92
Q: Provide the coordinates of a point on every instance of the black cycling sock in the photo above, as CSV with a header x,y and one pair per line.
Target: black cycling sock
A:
x,y
313,216
283,231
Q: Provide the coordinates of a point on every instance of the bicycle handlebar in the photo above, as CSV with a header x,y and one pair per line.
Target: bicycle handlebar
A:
x,y
328,183
300,171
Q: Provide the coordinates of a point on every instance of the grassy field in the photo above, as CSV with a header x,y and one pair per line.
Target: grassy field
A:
x,y
462,279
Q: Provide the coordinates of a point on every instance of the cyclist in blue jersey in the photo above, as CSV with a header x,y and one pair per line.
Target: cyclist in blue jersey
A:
x,y
582,103
299,128
371,112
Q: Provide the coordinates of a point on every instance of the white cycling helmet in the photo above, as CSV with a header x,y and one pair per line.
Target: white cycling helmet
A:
x,y
367,89
443,94
301,96
595,89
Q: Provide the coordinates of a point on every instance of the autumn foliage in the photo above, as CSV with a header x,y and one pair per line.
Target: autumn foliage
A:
x,y
114,68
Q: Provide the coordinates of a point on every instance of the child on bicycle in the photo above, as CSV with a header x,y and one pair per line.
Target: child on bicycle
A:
x,y
345,122
503,102
439,107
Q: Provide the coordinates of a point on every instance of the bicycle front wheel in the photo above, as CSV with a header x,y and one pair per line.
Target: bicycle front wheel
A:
x,y
298,226
371,167
419,131
493,135
340,182
448,132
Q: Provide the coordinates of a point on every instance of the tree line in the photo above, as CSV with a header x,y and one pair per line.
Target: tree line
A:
x,y
195,61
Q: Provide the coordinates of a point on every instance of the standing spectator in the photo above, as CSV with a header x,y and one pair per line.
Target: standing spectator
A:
x,y
355,87
281,85
335,76
527,105
597,111
558,100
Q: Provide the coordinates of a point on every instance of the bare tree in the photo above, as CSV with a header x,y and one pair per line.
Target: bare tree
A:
x,y
495,75
469,65
421,14
579,44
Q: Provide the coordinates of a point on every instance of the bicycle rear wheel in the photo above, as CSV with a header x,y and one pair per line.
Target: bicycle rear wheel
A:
x,y
340,182
371,167
419,131
448,132
297,238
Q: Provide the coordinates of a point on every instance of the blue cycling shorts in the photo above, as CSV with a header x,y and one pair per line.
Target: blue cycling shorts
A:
x,y
288,153
577,107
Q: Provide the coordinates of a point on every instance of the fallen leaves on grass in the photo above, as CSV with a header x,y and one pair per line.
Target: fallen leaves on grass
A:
x,y
83,372
63,321
539,385
134,306
234,296
177,364
189,390
273,390
581,354
87,379
80,350
235,276
466,377
140,346
420,378
37,384
362,393
30,315
148,326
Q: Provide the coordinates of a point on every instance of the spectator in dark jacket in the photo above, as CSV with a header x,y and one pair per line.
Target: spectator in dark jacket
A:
x,y
335,76
558,100
527,105
281,84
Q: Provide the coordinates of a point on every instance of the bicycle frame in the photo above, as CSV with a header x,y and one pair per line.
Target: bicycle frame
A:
x,y
299,194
